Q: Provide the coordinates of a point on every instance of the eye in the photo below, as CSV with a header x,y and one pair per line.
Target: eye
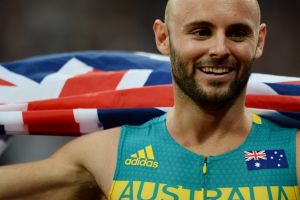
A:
x,y
202,33
238,34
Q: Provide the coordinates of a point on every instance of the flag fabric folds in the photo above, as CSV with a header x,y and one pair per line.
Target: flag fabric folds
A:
x,y
82,92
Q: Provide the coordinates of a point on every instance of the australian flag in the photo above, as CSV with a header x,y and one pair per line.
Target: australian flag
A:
x,y
266,159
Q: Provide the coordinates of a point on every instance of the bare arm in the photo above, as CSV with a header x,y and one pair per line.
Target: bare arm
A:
x,y
47,178
71,173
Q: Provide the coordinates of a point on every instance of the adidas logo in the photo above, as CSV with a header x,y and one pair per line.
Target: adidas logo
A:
x,y
144,157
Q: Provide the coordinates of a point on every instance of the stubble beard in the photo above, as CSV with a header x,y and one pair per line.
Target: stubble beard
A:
x,y
210,102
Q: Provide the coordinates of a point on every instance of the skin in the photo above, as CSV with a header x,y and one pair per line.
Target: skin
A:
x,y
234,34
84,168
196,35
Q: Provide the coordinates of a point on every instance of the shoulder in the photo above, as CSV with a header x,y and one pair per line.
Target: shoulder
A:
x,y
95,154
274,132
150,123
265,122
291,133
84,148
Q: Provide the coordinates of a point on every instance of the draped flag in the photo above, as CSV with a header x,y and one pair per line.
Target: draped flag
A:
x,y
79,93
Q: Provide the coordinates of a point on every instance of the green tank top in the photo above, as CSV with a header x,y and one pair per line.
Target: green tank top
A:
x,y
151,165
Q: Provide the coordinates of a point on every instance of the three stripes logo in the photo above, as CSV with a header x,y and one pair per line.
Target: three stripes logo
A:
x,y
144,157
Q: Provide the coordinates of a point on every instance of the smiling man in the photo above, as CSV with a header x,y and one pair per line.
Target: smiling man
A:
x,y
207,147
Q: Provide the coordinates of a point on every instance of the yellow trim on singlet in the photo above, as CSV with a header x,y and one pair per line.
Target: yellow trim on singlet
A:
x,y
256,119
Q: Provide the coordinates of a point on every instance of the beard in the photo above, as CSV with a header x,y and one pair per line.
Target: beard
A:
x,y
205,100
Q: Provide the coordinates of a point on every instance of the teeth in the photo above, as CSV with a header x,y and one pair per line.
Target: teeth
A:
x,y
215,70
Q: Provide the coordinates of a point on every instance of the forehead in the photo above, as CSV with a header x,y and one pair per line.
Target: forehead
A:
x,y
218,12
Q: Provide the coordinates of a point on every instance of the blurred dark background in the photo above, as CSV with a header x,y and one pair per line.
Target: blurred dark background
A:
x,y
36,27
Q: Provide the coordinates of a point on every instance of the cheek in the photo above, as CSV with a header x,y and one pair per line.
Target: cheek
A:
x,y
188,53
190,50
245,53
245,57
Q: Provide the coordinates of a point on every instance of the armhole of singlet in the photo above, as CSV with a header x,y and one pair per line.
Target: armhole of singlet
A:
x,y
119,157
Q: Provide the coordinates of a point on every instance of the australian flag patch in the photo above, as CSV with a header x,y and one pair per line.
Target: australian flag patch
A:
x,y
266,159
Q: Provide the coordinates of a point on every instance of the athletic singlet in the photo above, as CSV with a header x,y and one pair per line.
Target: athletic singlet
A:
x,y
151,165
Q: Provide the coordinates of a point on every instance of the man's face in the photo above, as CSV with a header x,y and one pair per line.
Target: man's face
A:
x,y
212,45
215,94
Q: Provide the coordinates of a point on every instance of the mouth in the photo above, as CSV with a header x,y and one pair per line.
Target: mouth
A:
x,y
217,71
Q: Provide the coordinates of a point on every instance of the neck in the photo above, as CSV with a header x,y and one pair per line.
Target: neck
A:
x,y
202,130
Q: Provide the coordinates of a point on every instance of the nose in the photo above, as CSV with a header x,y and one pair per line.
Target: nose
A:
x,y
219,48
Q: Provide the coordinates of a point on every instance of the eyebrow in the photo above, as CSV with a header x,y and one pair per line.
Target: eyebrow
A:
x,y
242,26
208,24
198,24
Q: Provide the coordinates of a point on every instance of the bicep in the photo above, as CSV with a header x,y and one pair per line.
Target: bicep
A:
x,y
96,154
58,177
36,179
70,173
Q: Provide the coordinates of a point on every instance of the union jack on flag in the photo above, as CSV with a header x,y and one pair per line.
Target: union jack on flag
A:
x,y
255,155
266,159
82,92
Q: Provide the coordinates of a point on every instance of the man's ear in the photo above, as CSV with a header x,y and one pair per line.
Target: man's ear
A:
x,y
261,40
161,36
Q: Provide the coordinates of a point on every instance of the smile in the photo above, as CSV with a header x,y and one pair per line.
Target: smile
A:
x,y
216,70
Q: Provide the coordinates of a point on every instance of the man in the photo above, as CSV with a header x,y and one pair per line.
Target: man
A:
x,y
207,147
